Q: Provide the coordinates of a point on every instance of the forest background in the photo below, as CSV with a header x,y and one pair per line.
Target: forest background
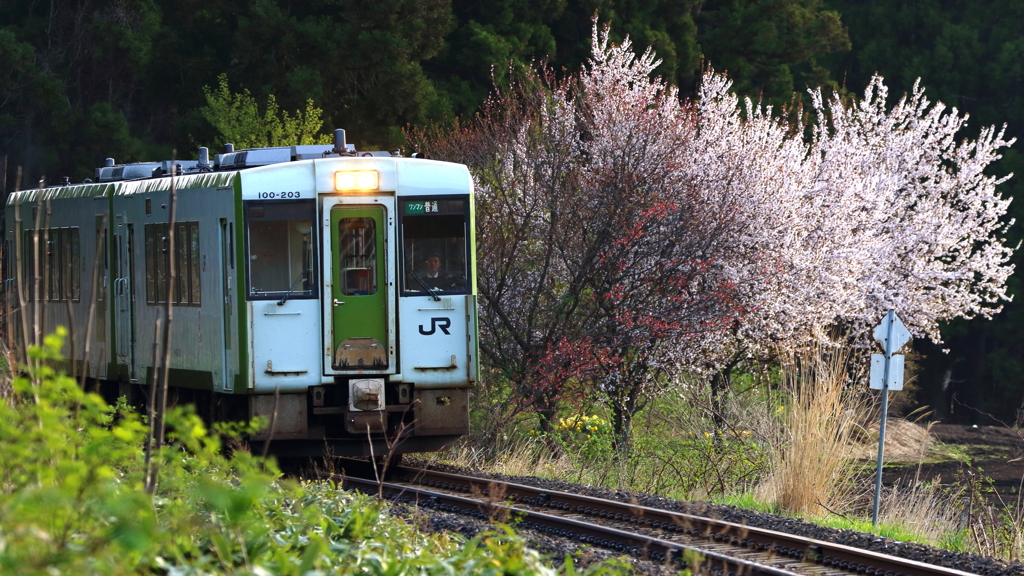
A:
x,y
83,80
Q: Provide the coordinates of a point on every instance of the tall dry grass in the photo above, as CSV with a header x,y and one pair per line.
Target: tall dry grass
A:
x,y
518,457
812,472
923,509
995,529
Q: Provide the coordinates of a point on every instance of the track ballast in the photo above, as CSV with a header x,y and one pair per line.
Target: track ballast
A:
x,y
675,539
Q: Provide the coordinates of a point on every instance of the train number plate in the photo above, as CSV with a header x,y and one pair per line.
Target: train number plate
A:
x,y
278,195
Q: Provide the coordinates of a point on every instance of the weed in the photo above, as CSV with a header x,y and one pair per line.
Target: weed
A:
x,y
747,501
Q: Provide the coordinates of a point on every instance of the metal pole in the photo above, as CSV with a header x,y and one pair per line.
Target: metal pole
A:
x,y
891,317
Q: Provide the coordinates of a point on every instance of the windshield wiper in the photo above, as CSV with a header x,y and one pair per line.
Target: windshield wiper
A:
x,y
425,287
291,289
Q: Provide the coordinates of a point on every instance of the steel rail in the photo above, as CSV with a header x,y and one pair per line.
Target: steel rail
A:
x,y
699,560
787,547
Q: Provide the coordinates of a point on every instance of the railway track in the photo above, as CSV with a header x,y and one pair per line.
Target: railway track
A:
x,y
704,545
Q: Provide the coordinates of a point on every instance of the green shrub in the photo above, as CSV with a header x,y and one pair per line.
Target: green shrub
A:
x,y
72,501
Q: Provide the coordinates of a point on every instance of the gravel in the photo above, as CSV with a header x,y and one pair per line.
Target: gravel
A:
x,y
556,549
971,563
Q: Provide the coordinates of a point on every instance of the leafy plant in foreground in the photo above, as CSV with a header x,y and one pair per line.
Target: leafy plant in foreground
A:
x,y
72,501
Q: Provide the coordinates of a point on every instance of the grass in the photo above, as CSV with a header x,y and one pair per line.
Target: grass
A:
x,y
907,517
895,532
747,501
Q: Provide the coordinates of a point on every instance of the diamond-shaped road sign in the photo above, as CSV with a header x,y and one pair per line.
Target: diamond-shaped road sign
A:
x,y
891,327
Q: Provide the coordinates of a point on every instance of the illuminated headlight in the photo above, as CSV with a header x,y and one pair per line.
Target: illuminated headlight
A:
x,y
363,180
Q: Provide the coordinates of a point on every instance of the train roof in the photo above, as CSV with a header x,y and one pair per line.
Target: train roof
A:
x,y
309,167
94,190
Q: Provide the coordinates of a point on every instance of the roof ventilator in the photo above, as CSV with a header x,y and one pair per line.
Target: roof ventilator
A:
x,y
232,159
204,161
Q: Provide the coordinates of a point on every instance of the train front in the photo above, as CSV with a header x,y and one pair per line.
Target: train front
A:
x,y
362,304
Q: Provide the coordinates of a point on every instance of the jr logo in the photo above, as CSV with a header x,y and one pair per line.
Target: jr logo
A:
x,y
435,323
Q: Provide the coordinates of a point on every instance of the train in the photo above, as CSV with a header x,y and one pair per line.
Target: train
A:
x,y
330,291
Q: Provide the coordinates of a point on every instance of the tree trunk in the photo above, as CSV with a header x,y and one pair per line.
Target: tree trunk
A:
x,y
622,425
547,413
721,386
623,412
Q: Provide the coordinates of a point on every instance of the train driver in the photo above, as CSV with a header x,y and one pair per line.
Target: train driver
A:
x,y
437,277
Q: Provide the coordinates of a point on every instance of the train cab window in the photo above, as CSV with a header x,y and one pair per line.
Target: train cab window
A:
x,y
281,249
435,255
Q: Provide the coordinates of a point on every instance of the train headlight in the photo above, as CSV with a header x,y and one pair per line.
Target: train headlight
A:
x,y
356,181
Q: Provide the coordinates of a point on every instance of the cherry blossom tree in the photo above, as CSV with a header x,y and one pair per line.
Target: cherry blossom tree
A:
x,y
927,219
881,208
626,236
595,249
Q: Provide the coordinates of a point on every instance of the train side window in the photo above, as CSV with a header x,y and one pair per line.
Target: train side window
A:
x,y
281,249
59,263
29,262
187,289
434,248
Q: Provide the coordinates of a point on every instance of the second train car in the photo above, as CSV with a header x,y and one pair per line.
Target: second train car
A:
x,y
330,291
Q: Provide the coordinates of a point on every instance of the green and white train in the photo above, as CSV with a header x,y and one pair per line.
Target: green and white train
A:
x,y
330,291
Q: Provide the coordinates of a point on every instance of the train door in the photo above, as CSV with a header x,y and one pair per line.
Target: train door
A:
x,y
101,268
226,258
10,294
359,304
124,297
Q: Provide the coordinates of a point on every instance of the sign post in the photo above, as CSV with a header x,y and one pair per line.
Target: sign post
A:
x,y
886,374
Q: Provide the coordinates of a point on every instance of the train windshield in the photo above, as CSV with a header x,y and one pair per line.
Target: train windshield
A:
x,y
281,244
435,255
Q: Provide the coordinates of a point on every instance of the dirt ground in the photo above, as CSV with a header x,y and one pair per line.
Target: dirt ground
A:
x,y
956,454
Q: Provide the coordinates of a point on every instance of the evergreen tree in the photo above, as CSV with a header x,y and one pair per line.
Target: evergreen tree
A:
x,y
73,78
771,48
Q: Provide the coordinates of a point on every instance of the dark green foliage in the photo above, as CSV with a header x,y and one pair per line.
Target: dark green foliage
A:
x,y
487,37
669,27
771,48
373,68
358,60
74,75
71,69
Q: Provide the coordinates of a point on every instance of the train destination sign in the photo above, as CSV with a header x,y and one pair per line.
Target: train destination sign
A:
x,y
422,207
432,207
